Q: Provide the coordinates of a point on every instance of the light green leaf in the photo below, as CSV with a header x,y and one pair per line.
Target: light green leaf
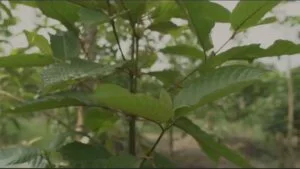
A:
x,y
91,4
163,27
68,73
166,99
65,45
136,9
184,50
63,11
123,160
166,10
25,60
279,48
39,41
213,149
84,155
89,16
139,104
216,84
200,25
249,13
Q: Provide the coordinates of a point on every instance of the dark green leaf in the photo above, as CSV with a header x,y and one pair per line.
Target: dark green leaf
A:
x,y
84,155
201,25
208,143
67,73
91,4
168,77
136,9
63,11
25,60
184,50
136,104
89,16
54,101
163,27
99,119
123,160
249,13
216,84
65,45
39,41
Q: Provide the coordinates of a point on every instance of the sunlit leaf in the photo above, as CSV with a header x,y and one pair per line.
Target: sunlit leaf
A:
x,y
208,144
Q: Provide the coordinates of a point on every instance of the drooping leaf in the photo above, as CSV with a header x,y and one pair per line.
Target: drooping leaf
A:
x,y
184,50
65,99
267,20
89,16
208,144
136,104
65,45
163,27
252,52
20,154
216,84
200,25
84,155
159,161
63,11
136,9
168,77
249,13
25,60
67,73
99,119
166,99
39,41
123,160
91,4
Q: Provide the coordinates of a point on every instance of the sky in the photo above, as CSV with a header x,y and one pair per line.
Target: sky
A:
x,y
265,35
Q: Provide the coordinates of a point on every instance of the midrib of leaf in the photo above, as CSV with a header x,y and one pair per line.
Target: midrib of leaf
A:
x,y
249,17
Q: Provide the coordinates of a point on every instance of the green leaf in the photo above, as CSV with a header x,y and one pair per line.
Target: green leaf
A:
x,y
166,99
63,11
91,4
139,104
163,27
213,149
60,74
165,10
58,100
25,60
123,160
168,77
39,41
200,25
159,161
84,155
184,50
248,13
268,20
59,141
89,16
20,154
216,84
136,9
279,48
65,45
99,119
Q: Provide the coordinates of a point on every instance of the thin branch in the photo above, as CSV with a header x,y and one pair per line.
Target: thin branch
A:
x,y
112,22
2,92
